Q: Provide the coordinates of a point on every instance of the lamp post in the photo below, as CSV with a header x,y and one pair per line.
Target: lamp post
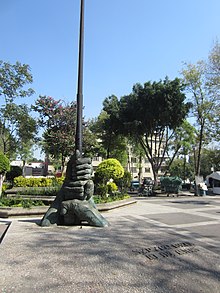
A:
x,y
78,138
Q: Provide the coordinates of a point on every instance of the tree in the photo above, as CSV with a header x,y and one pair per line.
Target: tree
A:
x,y
91,144
213,86
17,127
204,105
4,168
59,123
138,152
213,69
112,143
151,114
210,160
181,144
181,169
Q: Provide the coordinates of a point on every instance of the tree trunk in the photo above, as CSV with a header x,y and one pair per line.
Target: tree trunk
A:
x,y
2,177
140,168
199,150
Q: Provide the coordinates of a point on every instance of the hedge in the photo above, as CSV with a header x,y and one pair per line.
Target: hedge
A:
x,y
21,181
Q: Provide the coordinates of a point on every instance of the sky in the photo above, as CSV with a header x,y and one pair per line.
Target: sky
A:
x,y
126,41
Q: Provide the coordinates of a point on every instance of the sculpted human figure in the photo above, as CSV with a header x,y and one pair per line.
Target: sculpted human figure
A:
x,y
74,203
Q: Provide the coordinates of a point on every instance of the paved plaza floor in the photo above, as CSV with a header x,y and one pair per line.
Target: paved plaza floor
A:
x,y
156,245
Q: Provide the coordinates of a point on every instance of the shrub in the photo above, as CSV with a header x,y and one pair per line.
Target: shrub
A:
x,y
5,186
109,169
19,202
37,182
124,182
32,182
46,191
102,190
112,187
58,181
119,196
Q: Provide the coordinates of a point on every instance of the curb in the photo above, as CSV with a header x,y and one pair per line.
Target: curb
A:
x,y
35,211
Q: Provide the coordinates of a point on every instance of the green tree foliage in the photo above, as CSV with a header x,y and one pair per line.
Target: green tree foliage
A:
x,y
213,69
91,143
4,164
4,167
213,86
17,127
181,169
59,123
204,105
112,143
210,160
182,143
13,79
151,114
138,152
124,182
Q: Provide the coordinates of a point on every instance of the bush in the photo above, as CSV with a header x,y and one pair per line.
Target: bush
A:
x,y
124,182
37,182
58,181
46,191
109,169
112,187
119,196
102,190
19,202
5,186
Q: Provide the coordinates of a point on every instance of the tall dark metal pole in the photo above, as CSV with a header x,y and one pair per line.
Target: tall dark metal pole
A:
x,y
80,82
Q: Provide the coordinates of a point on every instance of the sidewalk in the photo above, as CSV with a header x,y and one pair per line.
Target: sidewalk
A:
x,y
157,245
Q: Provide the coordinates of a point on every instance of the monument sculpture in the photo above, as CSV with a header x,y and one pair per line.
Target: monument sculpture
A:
x,y
74,203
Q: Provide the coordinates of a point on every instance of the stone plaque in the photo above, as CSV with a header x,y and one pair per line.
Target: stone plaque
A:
x,y
167,250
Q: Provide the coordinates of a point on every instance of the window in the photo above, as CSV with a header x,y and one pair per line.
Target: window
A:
x,y
133,170
133,160
96,158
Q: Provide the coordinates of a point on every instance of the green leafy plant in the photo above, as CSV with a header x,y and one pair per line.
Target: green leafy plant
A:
x,y
37,182
112,188
98,199
19,202
107,169
45,191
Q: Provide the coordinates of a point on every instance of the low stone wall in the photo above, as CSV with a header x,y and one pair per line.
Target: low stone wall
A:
x,y
7,212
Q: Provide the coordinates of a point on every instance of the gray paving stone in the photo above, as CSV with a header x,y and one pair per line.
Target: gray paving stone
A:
x,y
134,254
177,218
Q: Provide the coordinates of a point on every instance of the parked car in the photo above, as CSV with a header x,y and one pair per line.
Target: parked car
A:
x,y
135,184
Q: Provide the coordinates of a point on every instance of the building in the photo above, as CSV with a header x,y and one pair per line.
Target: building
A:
x,y
136,166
